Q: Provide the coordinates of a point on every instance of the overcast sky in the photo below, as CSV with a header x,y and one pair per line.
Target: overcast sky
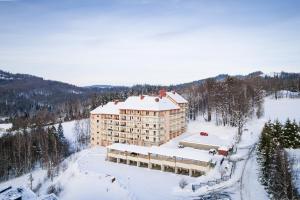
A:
x,y
124,42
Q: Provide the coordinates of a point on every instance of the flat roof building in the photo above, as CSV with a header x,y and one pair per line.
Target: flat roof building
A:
x,y
186,161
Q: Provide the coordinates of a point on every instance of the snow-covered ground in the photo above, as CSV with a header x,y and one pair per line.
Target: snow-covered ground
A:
x,y
69,132
294,156
89,176
4,128
226,133
282,109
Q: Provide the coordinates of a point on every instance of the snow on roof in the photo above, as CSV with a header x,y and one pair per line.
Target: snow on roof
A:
x,y
185,153
49,197
176,97
211,139
5,126
150,103
15,193
131,148
109,108
223,148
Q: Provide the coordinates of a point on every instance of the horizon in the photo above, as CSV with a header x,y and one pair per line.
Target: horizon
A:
x,y
148,41
163,85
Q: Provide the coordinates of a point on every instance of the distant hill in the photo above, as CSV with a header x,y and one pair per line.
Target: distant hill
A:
x,y
23,93
26,94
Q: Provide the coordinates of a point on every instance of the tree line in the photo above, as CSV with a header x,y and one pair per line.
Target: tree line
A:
x,y
275,167
230,102
23,150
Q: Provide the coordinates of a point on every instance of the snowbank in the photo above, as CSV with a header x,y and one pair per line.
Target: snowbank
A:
x,y
294,156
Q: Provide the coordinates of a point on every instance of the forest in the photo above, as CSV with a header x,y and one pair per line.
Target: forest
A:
x,y
26,149
34,106
275,167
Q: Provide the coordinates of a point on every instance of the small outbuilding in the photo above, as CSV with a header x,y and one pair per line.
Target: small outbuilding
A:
x,y
208,142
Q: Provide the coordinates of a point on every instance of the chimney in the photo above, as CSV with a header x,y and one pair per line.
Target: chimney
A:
x,y
142,97
162,93
157,99
116,102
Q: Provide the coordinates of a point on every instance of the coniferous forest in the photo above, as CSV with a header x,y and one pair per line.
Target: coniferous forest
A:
x,y
275,167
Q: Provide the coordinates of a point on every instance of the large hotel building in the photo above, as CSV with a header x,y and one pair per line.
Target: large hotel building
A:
x,y
140,120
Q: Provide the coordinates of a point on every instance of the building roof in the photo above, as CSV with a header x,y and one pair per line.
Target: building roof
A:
x,y
110,108
211,139
176,97
144,102
149,103
185,153
17,193
130,148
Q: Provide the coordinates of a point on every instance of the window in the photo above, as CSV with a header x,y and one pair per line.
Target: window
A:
x,y
154,125
147,137
97,121
147,112
154,132
154,113
154,139
92,138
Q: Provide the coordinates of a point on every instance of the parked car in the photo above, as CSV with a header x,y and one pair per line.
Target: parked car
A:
x,y
203,133
212,151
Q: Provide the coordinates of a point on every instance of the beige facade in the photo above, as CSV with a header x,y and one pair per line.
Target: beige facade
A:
x,y
140,120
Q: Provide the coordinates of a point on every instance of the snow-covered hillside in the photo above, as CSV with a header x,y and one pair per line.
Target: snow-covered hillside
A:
x,y
282,109
4,128
88,176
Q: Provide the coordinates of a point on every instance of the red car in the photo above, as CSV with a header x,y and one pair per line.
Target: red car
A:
x,y
203,133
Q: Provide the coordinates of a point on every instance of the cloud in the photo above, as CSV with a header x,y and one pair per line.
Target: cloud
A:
x,y
156,43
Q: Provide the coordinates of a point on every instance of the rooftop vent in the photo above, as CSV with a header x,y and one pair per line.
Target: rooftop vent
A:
x,y
142,97
174,92
157,99
162,93
116,102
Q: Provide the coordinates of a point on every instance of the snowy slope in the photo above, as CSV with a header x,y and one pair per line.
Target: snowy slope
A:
x,y
89,176
294,155
4,128
282,109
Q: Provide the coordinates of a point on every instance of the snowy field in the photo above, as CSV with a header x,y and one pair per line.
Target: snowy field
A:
x,y
4,128
89,176
282,109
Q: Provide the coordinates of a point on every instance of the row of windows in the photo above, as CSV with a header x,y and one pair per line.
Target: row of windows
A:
x,y
147,138
137,112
